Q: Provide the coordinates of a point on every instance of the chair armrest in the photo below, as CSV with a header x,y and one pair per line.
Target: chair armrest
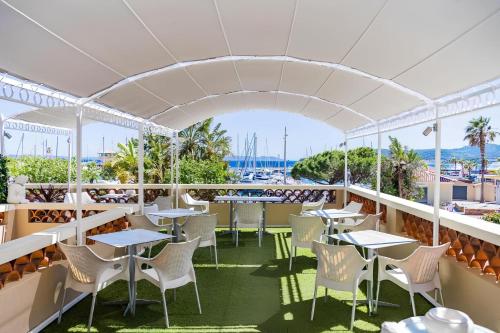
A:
x,y
384,261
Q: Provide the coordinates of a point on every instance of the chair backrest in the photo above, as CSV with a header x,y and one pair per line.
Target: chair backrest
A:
x,y
306,229
421,266
202,226
314,205
187,198
338,263
353,207
175,259
141,222
151,209
370,222
71,198
248,213
83,263
164,202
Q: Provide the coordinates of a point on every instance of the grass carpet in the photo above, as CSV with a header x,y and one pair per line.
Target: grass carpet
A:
x,y
252,291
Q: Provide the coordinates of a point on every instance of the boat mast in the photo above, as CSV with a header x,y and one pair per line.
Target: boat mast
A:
x,y
254,154
284,158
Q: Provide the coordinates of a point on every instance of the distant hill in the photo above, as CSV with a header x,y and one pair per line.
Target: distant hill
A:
x,y
466,153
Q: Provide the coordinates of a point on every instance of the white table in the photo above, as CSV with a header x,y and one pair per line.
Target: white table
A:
x,y
174,214
241,198
416,325
373,240
130,239
333,214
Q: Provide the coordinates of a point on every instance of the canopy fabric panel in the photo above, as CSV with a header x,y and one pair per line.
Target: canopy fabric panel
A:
x,y
63,117
347,62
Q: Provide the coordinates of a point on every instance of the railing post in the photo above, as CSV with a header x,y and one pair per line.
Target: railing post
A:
x,y
141,167
345,171
79,215
379,166
176,169
2,137
172,147
437,181
69,164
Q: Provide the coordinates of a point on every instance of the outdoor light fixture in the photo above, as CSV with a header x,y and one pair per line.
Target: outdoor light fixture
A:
x,y
429,129
342,144
7,135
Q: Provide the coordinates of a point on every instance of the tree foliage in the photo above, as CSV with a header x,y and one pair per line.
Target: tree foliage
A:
x,y
328,167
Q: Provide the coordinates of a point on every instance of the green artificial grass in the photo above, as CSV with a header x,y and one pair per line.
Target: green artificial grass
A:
x,y
252,291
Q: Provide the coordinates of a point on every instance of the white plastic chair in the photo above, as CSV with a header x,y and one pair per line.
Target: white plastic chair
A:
x,y
202,226
89,273
317,205
393,327
71,198
305,230
416,273
352,207
199,205
152,209
370,222
248,215
341,267
171,268
164,202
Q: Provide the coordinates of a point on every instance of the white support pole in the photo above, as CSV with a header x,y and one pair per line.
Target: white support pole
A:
x,y
79,215
345,171
284,158
140,167
2,135
177,169
69,164
379,167
437,182
172,171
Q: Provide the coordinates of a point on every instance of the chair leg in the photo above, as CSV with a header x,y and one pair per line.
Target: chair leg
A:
x,y
353,313
175,294
314,301
441,296
378,292
197,296
91,312
413,304
326,295
260,236
149,252
237,232
210,253
165,312
291,257
61,308
216,260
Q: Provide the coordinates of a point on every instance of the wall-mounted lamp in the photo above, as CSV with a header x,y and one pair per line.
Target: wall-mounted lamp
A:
x,y
7,135
342,144
430,129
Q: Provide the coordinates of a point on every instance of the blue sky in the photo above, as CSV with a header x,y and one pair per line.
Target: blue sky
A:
x,y
304,134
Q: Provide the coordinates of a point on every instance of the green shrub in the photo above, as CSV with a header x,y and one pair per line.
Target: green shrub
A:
x,y
3,179
492,217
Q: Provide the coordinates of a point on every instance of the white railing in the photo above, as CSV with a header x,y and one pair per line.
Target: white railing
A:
x,y
474,227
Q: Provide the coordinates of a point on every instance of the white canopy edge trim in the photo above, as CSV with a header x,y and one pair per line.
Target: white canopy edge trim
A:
x,y
231,58
20,125
469,100
36,95
211,97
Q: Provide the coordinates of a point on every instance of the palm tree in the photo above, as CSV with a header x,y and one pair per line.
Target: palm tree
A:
x,y
469,165
126,158
205,141
454,160
478,133
404,164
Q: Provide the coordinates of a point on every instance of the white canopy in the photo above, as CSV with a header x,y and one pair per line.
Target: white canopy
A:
x,y
348,63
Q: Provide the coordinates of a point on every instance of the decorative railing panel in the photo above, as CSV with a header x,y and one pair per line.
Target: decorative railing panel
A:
x,y
369,206
475,252
56,215
288,195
